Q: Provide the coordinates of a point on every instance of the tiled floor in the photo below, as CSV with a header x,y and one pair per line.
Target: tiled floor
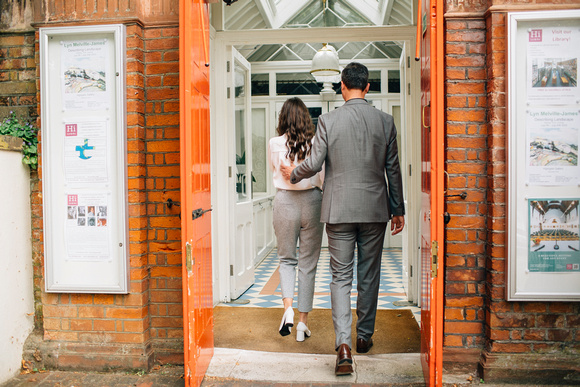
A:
x,y
265,293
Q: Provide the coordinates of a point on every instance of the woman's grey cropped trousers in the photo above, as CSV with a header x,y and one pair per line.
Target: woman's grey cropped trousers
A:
x,y
297,218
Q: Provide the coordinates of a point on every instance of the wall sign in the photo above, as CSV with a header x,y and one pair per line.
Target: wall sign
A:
x,y
543,169
84,164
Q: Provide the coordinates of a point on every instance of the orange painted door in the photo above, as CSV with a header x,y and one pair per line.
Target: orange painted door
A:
x,y
195,188
432,128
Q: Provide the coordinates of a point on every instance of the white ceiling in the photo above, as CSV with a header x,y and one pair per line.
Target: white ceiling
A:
x,y
274,14
262,14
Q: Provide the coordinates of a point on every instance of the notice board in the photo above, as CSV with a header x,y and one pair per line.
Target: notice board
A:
x,y
543,169
84,178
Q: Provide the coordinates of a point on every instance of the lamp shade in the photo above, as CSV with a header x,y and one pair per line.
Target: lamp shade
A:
x,y
325,62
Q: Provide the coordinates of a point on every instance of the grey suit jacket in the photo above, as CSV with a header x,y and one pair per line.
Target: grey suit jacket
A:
x,y
357,143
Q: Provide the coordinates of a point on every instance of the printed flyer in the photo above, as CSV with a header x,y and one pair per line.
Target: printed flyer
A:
x,y
554,242
85,152
552,56
86,227
552,146
84,74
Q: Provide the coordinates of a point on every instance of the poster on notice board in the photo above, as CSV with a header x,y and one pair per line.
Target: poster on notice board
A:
x,y
552,146
554,241
553,54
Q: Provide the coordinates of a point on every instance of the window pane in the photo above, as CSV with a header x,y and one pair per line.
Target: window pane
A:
x,y
259,168
375,81
314,113
260,84
397,120
394,81
296,84
243,187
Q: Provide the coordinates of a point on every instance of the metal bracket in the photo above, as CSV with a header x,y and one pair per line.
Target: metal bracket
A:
x,y
462,195
198,213
446,217
170,203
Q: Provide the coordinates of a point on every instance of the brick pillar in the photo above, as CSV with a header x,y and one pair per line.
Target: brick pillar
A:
x,y
466,164
163,183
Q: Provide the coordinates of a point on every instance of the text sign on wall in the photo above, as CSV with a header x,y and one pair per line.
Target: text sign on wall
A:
x,y
82,85
544,174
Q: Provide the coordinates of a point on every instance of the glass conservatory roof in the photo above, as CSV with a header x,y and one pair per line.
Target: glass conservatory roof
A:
x,y
261,14
286,14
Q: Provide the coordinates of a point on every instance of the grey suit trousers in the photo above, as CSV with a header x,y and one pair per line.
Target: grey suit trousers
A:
x,y
342,239
297,217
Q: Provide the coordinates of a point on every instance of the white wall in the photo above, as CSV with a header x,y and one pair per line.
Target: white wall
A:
x,y
16,289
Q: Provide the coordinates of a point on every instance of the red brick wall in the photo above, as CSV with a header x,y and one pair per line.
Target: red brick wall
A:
x,y
150,317
477,314
113,329
162,162
514,327
17,75
466,164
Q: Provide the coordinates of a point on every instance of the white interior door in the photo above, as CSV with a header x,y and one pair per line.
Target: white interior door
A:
x,y
404,161
242,253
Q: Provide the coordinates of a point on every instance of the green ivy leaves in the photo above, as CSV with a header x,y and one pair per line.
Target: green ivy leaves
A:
x,y
23,129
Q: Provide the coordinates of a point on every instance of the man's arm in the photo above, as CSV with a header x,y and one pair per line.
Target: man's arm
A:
x,y
313,164
395,179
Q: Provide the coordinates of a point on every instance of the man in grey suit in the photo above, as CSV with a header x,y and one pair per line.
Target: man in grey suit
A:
x,y
357,143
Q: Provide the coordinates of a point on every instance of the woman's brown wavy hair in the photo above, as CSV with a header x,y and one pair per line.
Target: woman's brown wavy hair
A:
x,y
295,122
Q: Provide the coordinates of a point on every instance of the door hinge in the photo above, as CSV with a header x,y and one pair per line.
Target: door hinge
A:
x,y
410,170
408,89
434,258
231,270
228,93
410,271
228,66
408,62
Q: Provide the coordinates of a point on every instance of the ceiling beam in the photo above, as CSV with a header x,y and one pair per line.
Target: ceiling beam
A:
x,y
319,35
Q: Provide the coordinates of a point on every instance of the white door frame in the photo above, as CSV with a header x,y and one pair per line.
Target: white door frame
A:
x,y
221,163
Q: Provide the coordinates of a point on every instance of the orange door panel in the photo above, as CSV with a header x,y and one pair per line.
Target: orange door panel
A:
x,y
195,188
430,41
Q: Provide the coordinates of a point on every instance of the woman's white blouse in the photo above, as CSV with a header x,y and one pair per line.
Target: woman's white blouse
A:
x,y
277,150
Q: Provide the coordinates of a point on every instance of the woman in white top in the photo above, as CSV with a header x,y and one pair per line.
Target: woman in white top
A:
x,y
296,214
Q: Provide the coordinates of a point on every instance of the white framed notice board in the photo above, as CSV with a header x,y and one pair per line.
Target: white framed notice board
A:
x,y
84,166
543,170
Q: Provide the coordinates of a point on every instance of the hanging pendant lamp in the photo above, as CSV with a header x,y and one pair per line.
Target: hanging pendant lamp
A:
x,y
326,70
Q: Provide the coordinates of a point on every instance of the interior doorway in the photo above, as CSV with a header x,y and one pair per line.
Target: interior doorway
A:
x,y
239,167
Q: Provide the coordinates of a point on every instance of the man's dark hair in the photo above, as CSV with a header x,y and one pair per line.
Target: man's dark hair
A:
x,y
355,76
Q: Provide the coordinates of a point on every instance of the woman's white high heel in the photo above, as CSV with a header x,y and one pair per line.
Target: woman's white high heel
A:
x,y
287,322
302,331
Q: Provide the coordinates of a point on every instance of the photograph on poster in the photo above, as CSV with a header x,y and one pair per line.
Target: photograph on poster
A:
x,y
552,56
84,242
85,152
554,72
554,242
552,146
84,74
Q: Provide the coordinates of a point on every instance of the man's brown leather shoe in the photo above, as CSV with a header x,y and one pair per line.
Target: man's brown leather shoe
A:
x,y
363,346
343,360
